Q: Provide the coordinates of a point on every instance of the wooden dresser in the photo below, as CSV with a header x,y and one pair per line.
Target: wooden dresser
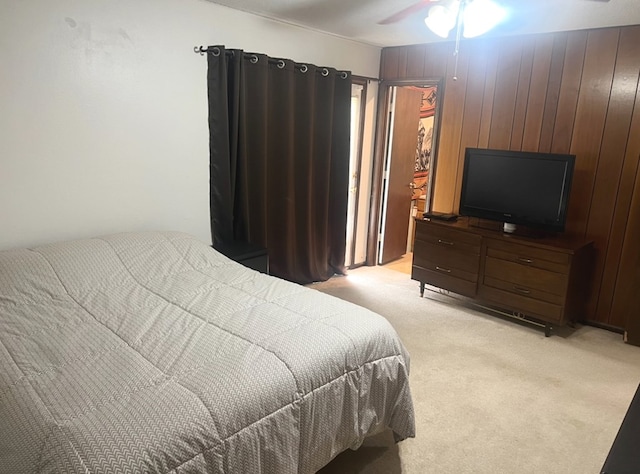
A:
x,y
542,279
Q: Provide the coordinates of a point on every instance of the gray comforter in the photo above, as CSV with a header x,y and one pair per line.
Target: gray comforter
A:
x,y
152,352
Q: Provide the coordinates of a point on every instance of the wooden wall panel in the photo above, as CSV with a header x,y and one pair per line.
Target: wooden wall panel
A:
x,y
593,99
522,95
569,91
623,245
449,143
537,96
472,114
436,57
415,61
504,99
389,63
625,290
487,100
612,155
632,308
615,276
563,92
403,62
552,98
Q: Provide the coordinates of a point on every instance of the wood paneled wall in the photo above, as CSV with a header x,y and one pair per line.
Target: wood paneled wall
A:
x,y
571,92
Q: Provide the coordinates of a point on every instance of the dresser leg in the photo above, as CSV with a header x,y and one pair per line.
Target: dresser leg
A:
x,y
547,330
421,289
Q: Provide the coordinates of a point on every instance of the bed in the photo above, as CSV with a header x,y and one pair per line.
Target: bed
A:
x,y
152,352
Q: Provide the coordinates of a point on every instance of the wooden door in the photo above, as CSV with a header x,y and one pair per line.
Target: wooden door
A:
x,y
401,156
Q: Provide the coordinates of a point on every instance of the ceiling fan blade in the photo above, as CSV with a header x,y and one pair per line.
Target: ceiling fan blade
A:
x,y
410,10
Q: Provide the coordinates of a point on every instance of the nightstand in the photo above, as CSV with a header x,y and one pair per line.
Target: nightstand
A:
x,y
246,253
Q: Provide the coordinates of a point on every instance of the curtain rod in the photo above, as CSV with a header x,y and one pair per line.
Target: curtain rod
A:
x,y
254,59
202,50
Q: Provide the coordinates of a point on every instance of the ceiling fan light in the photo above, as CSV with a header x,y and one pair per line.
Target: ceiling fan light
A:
x,y
440,20
480,16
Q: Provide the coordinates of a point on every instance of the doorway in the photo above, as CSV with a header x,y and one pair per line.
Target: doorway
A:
x,y
364,100
408,157
358,95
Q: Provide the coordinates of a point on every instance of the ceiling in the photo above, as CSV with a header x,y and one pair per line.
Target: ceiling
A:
x,y
358,19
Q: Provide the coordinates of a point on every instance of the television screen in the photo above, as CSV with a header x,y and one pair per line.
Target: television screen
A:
x,y
527,188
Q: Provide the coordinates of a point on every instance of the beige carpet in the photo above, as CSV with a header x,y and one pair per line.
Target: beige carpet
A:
x,y
492,395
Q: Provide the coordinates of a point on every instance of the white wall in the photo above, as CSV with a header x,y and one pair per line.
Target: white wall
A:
x,y
103,114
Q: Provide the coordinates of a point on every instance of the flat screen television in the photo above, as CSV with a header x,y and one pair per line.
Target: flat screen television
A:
x,y
517,187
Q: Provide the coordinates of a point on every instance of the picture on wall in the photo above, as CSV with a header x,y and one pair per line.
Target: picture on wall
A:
x,y
425,139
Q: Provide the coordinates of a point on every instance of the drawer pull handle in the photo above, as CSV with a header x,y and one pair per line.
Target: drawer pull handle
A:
x,y
525,260
524,291
444,242
444,270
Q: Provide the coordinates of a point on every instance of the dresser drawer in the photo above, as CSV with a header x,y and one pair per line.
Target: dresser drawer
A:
x,y
522,290
445,269
522,304
446,237
526,277
448,281
427,254
531,256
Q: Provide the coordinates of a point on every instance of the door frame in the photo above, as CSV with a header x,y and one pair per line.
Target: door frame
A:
x,y
363,82
381,140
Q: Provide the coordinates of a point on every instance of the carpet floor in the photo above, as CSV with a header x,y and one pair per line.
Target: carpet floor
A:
x,y
491,394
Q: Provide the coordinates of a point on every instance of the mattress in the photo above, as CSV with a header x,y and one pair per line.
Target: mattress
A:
x,y
152,352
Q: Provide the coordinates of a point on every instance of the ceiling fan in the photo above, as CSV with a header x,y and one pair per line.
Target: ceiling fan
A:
x,y
471,17
468,18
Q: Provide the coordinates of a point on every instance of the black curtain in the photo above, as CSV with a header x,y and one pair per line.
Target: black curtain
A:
x,y
279,160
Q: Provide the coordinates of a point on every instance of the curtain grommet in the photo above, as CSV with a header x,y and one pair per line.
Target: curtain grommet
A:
x,y
281,64
325,72
201,50
304,68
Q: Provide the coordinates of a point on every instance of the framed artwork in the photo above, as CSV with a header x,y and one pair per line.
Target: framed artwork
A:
x,y
425,139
